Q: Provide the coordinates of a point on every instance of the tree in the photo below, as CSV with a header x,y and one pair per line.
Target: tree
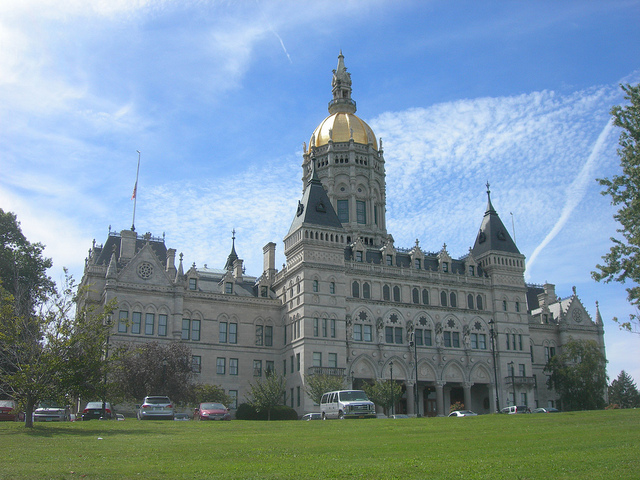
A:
x,y
151,369
23,269
266,394
622,263
623,392
383,393
317,385
578,374
51,354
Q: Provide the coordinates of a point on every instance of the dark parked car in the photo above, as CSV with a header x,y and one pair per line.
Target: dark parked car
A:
x,y
211,411
51,412
8,411
156,407
93,410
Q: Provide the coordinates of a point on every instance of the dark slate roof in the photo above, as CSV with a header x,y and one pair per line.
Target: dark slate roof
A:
x,y
102,254
233,256
532,296
315,207
493,236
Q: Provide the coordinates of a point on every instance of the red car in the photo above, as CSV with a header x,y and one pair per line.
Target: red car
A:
x,y
8,411
211,411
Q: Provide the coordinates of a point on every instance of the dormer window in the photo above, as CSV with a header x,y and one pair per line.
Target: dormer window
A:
x,y
358,256
389,260
416,264
264,291
445,266
228,287
193,284
472,270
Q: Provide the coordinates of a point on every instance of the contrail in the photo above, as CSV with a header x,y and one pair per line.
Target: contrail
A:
x,y
282,43
575,193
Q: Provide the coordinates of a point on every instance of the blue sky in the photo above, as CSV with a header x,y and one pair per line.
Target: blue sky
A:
x,y
220,95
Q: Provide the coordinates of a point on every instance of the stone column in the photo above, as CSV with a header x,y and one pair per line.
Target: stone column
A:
x,y
467,395
440,398
411,407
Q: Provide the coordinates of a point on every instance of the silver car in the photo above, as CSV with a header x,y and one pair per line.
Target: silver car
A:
x,y
51,412
156,407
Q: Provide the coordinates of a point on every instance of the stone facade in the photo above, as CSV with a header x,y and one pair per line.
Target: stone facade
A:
x,y
348,302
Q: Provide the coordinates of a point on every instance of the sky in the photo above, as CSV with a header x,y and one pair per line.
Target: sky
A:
x,y
219,96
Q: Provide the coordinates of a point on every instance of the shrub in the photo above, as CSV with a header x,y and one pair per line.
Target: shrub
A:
x,y
456,406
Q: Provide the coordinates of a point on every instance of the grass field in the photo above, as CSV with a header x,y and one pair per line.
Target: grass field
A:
x,y
586,445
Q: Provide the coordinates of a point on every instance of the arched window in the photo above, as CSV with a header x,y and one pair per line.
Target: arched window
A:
x,y
425,296
443,299
479,302
366,290
470,301
355,289
454,300
315,285
332,288
396,293
386,293
416,295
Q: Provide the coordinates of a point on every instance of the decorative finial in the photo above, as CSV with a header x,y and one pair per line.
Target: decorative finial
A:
x,y
488,185
574,289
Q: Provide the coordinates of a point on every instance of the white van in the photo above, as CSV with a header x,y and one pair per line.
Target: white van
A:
x,y
347,404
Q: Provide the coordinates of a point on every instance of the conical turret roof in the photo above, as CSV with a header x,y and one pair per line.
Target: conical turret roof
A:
x,y
493,236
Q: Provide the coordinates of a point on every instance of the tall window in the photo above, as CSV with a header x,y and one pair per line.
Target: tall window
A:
x,y
333,360
186,328
193,283
366,290
367,333
316,327
268,335
196,363
416,264
317,359
259,337
415,295
357,332
233,394
375,214
136,320
425,296
269,367
195,330
221,365
445,266
332,288
233,333
123,320
228,287
479,302
355,290
443,299
396,293
332,327
297,362
233,366
361,211
264,291
149,323
257,368
162,325
386,293
389,260
222,332
393,335
315,285
470,302
343,211
454,299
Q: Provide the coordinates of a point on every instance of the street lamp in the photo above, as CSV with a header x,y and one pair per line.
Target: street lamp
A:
x,y
415,362
353,381
392,395
513,380
495,368
108,323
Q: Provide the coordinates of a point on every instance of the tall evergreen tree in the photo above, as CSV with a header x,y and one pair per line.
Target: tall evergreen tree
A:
x,y
622,263
623,392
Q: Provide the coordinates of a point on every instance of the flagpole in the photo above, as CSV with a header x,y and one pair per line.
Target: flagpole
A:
x,y
135,195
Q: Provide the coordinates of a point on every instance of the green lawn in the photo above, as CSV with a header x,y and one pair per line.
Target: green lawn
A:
x,y
589,445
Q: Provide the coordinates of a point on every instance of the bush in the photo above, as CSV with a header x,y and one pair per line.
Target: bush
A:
x,y
456,406
279,412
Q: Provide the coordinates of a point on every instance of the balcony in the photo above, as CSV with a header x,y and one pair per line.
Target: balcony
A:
x,y
518,380
329,371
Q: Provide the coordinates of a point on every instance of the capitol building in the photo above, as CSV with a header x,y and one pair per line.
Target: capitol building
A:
x,y
349,302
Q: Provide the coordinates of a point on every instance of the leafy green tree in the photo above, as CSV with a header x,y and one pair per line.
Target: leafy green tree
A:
x,y
317,385
209,393
384,393
23,268
578,374
623,392
52,354
268,393
151,369
622,263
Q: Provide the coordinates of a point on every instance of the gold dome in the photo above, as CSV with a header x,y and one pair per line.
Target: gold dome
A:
x,y
341,124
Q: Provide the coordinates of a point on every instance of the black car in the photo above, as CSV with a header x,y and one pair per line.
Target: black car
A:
x,y
93,411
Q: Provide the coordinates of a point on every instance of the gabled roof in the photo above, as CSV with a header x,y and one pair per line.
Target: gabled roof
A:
x,y
315,207
493,236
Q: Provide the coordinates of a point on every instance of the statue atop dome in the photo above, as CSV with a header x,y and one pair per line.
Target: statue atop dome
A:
x,y
341,89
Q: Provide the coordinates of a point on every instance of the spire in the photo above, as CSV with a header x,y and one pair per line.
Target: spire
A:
x,y
341,89
112,269
233,256
493,235
598,316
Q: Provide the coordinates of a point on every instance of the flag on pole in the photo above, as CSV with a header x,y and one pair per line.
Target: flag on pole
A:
x,y
135,189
